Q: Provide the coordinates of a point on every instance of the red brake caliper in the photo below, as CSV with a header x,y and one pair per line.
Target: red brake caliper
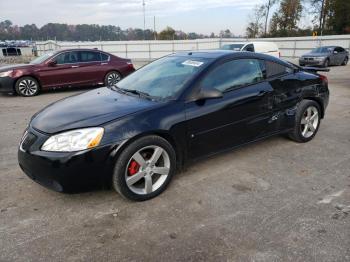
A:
x,y
133,168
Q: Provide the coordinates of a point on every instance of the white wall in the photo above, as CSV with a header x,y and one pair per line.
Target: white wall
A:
x,y
145,50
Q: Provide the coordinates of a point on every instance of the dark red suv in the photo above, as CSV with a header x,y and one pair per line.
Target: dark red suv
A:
x,y
65,68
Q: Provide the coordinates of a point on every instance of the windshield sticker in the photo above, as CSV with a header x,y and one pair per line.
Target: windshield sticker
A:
x,y
192,63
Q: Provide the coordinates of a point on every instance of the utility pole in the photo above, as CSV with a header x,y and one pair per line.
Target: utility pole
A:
x,y
144,19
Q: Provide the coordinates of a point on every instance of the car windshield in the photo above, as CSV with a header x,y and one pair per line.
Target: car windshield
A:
x,y
234,47
164,78
322,50
41,58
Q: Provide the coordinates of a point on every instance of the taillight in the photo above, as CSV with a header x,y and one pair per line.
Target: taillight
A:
x,y
130,65
324,78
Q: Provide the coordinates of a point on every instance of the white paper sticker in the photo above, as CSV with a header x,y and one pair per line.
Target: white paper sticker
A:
x,y
192,63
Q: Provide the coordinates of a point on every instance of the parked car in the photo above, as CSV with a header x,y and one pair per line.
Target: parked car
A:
x,y
267,48
66,68
175,110
325,56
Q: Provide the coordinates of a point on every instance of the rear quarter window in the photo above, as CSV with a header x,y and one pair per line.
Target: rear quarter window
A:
x,y
104,57
274,69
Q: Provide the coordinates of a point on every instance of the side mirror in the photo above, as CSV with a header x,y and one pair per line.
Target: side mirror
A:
x,y
52,63
209,93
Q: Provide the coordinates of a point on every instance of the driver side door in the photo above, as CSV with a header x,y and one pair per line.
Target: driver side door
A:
x,y
241,115
65,71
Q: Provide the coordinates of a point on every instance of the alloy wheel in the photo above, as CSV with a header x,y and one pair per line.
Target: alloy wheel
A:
x,y
309,122
28,87
147,170
345,61
326,63
113,78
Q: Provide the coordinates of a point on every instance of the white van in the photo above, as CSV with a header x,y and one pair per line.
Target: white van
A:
x,y
267,48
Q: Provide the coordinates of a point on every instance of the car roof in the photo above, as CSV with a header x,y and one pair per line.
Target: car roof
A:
x,y
327,46
253,42
222,54
79,49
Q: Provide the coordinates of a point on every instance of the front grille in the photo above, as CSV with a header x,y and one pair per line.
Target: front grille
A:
x,y
28,140
309,58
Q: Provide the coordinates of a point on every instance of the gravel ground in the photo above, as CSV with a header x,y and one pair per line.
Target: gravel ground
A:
x,y
275,200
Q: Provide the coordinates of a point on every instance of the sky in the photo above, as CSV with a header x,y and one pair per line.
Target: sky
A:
x,y
201,16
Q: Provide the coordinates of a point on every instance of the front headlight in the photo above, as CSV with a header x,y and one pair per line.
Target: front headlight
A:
x,y
7,73
321,58
74,140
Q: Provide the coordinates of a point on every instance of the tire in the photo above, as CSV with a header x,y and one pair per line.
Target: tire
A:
x,y
345,62
112,78
326,63
144,172
27,86
306,127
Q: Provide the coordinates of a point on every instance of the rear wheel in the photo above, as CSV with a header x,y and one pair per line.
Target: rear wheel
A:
x,y
27,86
112,78
308,119
144,168
345,62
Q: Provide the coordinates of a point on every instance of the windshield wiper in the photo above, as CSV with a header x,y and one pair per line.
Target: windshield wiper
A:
x,y
133,91
136,92
140,93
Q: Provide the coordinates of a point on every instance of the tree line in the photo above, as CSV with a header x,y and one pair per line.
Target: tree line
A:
x,y
93,32
328,17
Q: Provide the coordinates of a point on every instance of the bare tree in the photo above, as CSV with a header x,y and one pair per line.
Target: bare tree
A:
x,y
266,8
254,27
320,8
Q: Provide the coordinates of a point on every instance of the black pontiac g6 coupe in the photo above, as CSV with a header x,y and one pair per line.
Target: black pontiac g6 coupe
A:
x,y
182,107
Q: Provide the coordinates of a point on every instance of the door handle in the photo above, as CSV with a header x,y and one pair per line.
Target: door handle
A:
x,y
104,63
75,66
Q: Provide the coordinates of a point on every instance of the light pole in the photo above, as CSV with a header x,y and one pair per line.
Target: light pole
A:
x,y
144,19
154,28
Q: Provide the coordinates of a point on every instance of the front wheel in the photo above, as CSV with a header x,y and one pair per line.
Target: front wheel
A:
x,y
326,63
27,86
112,78
144,168
308,119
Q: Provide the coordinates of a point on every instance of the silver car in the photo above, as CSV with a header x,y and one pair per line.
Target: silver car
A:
x,y
325,56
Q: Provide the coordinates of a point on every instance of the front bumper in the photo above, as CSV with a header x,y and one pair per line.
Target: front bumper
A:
x,y
63,171
311,61
7,84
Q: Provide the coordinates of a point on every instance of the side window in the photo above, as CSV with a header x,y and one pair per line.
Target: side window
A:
x,y
87,56
339,49
275,69
249,48
67,58
234,74
104,57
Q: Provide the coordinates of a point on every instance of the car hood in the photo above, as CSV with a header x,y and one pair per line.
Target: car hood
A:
x,y
12,67
315,54
92,108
